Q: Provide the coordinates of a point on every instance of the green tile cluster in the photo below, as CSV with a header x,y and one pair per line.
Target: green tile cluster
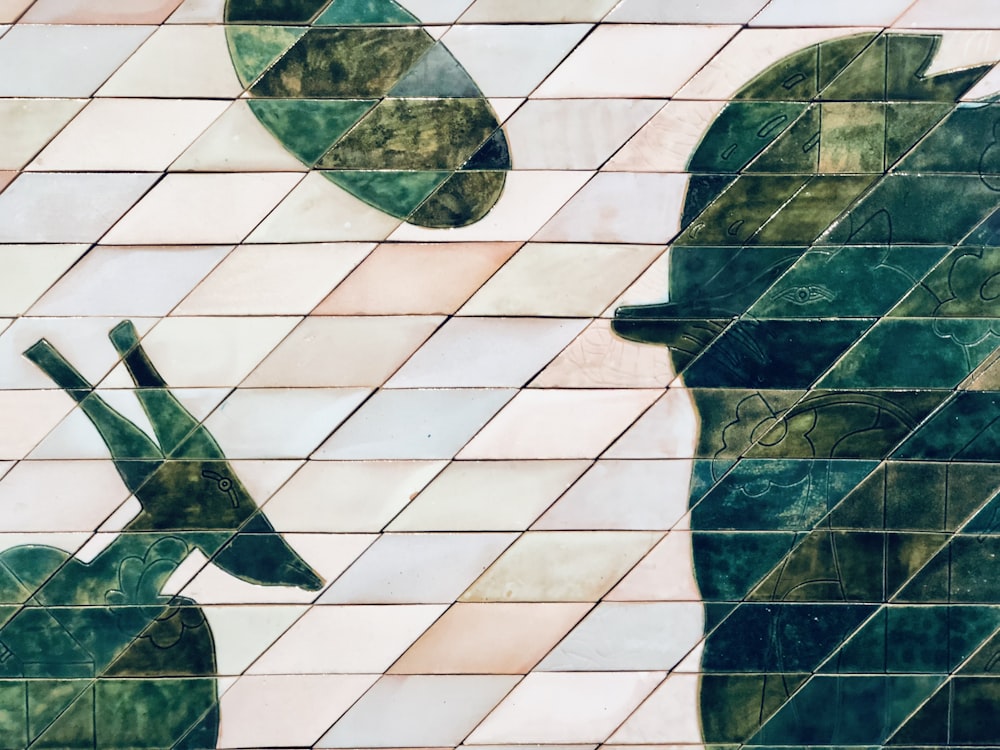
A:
x,y
358,90
834,309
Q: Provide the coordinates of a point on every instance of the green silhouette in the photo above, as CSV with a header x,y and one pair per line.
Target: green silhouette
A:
x,y
360,91
834,310
93,655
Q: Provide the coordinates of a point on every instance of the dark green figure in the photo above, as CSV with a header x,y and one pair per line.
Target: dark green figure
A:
x,y
92,655
835,310
358,90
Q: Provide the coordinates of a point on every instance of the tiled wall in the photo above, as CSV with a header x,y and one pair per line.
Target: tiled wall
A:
x,y
499,373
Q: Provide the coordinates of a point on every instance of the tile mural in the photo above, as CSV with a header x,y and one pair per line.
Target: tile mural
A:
x,y
499,374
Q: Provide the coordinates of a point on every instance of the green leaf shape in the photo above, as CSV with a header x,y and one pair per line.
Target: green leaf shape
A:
x,y
364,12
309,127
396,193
255,48
465,198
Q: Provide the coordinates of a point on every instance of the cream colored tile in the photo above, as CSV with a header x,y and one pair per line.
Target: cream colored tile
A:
x,y
200,352
621,207
512,59
264,477
954,14
666,142
349,496
559,424
574,133
426,710
490,639
100,11
64,61
59,495
178,61
488,495
684,11
414,424
666,574
127,281
319,211
26,125
417,279
629,636
236,142
6,177
26,417
623,495
75,437
843,13
581,707
243,633
274,279
67,207
668,430
27,271
11,10
199,11
131,135
537,11
561,566
285,710
529,200
417,568
649,288
344,351
437,11
599,358
202,208
486,353
650,61
669,716
281,422
561,280
346,640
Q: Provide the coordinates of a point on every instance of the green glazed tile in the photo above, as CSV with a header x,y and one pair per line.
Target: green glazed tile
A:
x,y
376,12
733,706
852,139
396,193
734,419
702,190
971,705
74,723
272,11
863,78
147,713
965,142
907,555
463,199
13,717
740,132
929,724
255,48
309,127
491,156
436,74
811,210
909,57
906,123
961,286
738,561
796,150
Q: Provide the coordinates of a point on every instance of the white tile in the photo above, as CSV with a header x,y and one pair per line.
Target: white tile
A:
x,y
621,207
666,142
842,13
202,208
178,61
666,574
285,710
649,61
512,59
565,708
62,61
574,133
650,288
349,496
561,566
436,11
26,417
488,495
26,125
274,279
347,640
625,495
72,438
236,142
199,11
129,135
280,422
426,711
559,424
27,271
417,568
319,211
243,633
684,11
953,14
129,281
414,424
629,636
67,207
669,716
486,353
537,11
99,11
344,351
668,430
562,280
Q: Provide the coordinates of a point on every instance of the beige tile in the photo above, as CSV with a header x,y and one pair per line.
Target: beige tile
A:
x,y
6,178
559,424
537,11
347,640
668,430
178,61
27,271
100,11
666,574
561,280
202,208
669,716
349,496
843,13
26,417
561,566
129,135
954,14
243,633
649,288
490,639
344,351
26,125
11,10
488,495
666,142
683,11
566,708
403,279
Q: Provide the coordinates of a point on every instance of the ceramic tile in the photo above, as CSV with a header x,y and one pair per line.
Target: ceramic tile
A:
x,y
27,417
199,11
665,431
934,14
665,143
437,11
666,574
851,13
101,12
679,11
11,10
549,11
664,717
243,633
28,124
29,270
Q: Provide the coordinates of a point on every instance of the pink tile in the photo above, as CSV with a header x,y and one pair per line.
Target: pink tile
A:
x,y
100,11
